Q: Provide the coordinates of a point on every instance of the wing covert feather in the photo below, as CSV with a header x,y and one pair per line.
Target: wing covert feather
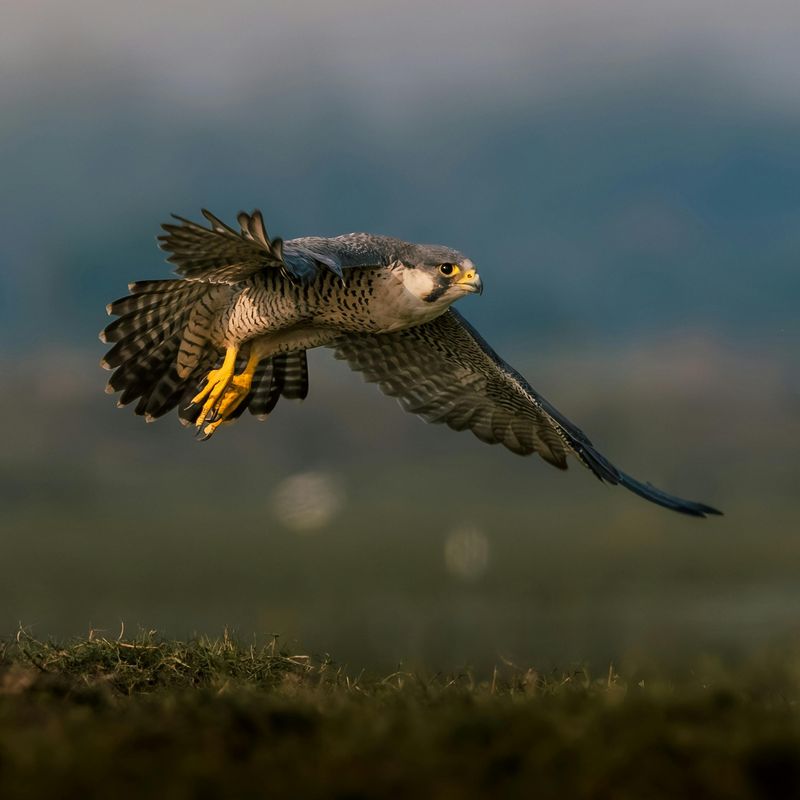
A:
x,y
441,372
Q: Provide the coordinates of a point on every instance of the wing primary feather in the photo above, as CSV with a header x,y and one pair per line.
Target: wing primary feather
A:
x,y
257,228
216,223
445,371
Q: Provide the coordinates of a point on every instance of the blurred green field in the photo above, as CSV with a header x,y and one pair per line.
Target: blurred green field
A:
x,y
106,520
149,717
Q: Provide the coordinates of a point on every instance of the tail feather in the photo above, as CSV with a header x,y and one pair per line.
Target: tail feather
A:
x,y
271,395
155,401
129,377
147,338
187,412
142,365
265,393
166,394
131,324
129,394
153,364
283,375
158,286
148,293
295,376
148,316
142,341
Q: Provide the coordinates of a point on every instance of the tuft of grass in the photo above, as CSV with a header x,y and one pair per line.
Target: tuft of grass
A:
x,y
146,716
149,663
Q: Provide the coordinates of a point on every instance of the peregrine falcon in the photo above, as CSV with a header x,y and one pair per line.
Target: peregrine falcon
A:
x,y
231,333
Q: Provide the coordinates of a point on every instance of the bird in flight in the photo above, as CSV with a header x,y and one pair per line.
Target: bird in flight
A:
x,y
231,333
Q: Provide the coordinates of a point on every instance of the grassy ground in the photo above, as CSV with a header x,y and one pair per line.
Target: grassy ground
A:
x,y
216,718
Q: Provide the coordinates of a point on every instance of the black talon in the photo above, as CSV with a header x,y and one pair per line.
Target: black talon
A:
x,y
202,436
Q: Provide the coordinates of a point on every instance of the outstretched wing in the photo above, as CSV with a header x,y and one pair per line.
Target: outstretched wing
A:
x,y
220,254
445,372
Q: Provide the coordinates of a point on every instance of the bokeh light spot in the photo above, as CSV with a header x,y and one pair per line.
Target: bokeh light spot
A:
x,y
466,553
307,501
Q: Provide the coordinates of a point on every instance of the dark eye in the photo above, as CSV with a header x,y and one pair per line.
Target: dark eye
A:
x,y
446,269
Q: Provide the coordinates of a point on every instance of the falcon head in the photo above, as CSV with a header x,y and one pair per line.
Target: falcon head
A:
x,y
440,275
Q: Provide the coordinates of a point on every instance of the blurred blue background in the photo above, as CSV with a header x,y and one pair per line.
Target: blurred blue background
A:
x,y
627,178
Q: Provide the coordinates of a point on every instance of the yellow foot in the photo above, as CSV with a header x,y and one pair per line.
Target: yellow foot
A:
x,y
235,392
224,392
216,384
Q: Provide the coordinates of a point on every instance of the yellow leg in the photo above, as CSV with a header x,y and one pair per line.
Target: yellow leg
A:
x,y
232,394
216,383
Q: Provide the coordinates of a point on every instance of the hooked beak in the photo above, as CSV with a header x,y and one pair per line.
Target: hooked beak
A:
x,y
470,281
